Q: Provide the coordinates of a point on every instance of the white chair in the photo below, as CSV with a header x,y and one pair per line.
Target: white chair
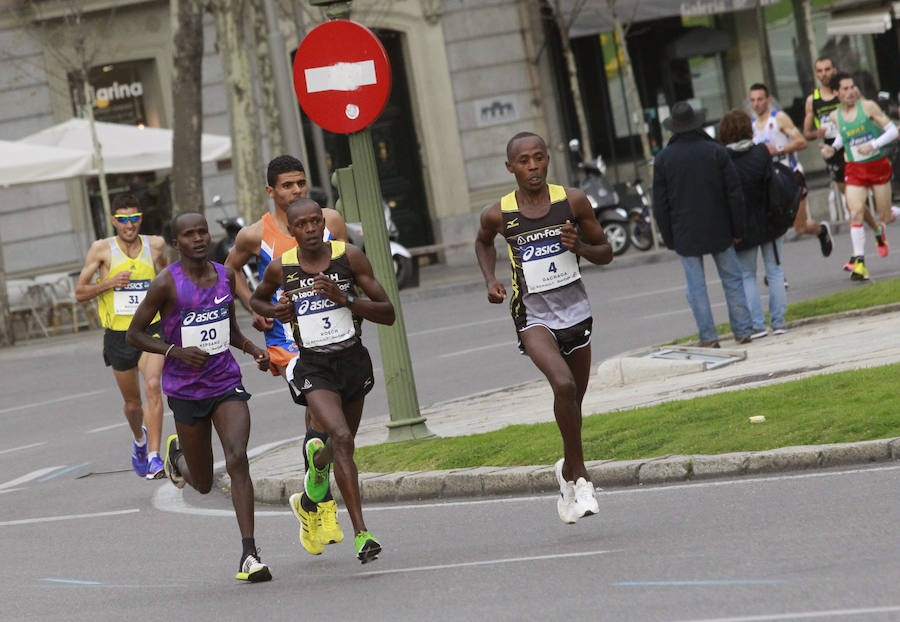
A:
x,y
29,304
59,288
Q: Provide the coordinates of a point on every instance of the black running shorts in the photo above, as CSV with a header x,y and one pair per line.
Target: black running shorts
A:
x,y
835,166
347,372
568,339
189,411
118,354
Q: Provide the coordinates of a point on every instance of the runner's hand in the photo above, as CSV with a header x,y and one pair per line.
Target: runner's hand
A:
x,y
569,237
192,355
496,292
261,357
121,279
284,309
827,151
866,149
326,287
261,323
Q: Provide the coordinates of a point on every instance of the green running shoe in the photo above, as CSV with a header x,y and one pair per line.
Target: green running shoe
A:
x,y
367,547
317,480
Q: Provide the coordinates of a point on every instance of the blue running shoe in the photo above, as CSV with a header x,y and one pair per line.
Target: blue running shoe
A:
x,y
139,456
156,469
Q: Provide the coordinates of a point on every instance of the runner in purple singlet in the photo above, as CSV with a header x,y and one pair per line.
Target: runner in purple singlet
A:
x,y
200,377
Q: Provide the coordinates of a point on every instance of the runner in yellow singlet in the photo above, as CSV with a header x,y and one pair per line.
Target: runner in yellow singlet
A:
x,y
126,264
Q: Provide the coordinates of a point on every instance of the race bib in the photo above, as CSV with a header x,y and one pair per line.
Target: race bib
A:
x,y
830,129
320,321
126,299
547,264
208,329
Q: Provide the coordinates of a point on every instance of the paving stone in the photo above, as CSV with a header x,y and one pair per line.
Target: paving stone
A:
x,y
464,482
721,465
269,490
667,469
508,481
616,473
422,485
783,459
854,453
382,488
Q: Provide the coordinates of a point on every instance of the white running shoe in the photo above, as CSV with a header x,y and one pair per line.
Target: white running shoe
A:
x,y
585,498
565,505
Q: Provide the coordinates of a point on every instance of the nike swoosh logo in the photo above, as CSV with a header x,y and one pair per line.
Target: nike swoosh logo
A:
x,y
238,390
217,300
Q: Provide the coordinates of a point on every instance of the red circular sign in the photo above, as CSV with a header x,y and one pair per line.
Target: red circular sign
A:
x,y
342,76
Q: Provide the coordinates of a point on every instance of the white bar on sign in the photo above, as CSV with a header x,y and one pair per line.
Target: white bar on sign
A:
x,y
340,77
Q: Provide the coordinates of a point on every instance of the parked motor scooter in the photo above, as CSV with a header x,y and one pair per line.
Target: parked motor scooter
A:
x,y
405,267
219,251
641,230
604,200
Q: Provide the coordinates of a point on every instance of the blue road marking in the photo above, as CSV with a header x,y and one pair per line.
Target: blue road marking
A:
x,y
708,582
72,581
52,475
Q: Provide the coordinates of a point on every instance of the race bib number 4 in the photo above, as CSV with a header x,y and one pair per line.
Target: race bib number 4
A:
x,y
547,264
126,299
321,321
207,329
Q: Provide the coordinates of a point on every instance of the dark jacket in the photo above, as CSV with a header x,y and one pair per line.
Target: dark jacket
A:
x,y
697,198
751,162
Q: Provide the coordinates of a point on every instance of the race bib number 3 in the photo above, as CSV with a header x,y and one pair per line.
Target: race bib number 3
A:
x,y
322,322
547,264
207,329
126,299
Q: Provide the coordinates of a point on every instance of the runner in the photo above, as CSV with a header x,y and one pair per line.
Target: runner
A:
x,y
333,371
266,239
863,129
549,305
776,130
126,264
201,378
817,124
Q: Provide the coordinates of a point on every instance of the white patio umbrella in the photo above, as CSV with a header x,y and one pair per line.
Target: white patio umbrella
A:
x,y
126,148
26,163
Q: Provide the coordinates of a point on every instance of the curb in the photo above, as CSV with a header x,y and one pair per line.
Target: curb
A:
x,y
496,481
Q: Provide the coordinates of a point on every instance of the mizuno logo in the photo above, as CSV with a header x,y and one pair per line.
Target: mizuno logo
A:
x,y
218,300
306,384
368,383
513,222
291,277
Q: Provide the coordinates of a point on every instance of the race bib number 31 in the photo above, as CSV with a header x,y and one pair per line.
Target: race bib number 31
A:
x,y
207,329
547,264
126,299
322,322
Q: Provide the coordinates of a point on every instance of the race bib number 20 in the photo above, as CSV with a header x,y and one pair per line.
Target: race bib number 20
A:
x,y
208,329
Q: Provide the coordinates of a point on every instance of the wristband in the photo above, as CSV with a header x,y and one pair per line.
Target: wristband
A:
x,y
171,345
244,344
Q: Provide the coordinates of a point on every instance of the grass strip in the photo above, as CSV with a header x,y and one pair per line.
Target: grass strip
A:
x,y
833,408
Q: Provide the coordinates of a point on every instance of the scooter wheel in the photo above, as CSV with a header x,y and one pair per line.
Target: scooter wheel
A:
x,y
618,237
404,269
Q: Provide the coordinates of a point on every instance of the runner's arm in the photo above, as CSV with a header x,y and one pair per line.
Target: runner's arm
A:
x,y
261,300
336,224
158,252
787,127
84,289
597,250
378,308
246,246
491,222
828,151
810,131
883,121
260,355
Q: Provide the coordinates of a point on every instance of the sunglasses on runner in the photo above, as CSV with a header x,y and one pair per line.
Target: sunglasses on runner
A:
x,y
127,218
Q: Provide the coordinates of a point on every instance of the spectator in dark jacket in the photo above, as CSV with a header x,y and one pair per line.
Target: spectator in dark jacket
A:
x,y
699,206
752,162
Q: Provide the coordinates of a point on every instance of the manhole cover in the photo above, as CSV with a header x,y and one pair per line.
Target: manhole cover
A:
x,y
711,359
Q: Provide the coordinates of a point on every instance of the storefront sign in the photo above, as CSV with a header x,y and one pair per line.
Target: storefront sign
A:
x,y
495,110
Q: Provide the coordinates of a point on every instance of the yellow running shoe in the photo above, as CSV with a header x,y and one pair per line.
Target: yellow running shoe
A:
x,y
860,272
330,531
309,526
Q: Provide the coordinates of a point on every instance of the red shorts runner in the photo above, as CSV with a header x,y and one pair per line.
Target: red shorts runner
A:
x,y
868,174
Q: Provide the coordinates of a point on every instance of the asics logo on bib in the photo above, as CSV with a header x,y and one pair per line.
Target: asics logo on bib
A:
x,y
202,317
536,236
313,305
541,251
135,286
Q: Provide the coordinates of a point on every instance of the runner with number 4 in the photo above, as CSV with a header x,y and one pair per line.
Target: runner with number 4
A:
x,y
202,380
333,371
549,305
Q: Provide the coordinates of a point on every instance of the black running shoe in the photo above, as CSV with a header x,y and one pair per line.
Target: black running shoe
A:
x,y
825,241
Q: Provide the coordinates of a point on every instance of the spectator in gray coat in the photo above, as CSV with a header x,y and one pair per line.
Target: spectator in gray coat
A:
x,y
699,207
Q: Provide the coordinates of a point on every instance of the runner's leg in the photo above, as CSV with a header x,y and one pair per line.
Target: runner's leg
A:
x,y
129,387
196,460
882,194
543,350
151,366
232,421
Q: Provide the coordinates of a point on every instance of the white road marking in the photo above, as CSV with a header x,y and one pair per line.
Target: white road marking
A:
x,y
801,615
63,472
73,396
49,519
457,326
505,344
30,476
6,451
487,562
166,413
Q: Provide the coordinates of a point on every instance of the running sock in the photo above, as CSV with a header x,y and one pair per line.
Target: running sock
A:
x,y
142,441
895,211
152,454
308,504
858,240
249,546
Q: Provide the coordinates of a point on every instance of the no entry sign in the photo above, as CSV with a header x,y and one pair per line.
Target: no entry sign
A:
x,y
342,76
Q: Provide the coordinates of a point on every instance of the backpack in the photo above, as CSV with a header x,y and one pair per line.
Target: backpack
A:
x,y
782,193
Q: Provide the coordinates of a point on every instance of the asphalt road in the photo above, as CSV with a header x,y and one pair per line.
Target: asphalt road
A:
x,y
83,538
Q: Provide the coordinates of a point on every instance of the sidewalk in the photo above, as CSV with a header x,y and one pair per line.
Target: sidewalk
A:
x,y
846,341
